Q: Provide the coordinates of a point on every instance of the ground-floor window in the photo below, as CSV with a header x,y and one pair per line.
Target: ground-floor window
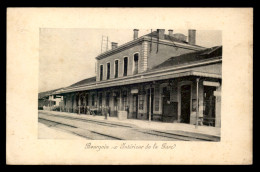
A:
x,y
141,102
115,103
93,99
100,99
87,100
77,100
125,102
81,101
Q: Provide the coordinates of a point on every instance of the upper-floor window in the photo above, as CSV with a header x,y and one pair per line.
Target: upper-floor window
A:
x,y
108,70
136,58
125,66
116,68
101,73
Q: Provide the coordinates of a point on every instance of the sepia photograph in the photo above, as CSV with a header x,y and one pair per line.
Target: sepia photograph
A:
x,y
129,86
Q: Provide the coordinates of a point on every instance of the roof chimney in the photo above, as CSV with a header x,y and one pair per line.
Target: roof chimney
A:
x,y
136,33
192,36
114,45
160,33
170,32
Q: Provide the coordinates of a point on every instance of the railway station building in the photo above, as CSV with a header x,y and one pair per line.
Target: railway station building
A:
x,y
157,77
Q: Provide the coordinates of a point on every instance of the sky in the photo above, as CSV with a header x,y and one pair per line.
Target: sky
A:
x,y
67,55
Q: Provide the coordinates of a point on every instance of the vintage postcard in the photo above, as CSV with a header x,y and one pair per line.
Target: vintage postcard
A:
x,y
129,86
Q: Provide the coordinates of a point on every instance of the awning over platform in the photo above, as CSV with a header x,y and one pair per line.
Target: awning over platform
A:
x,y
139,79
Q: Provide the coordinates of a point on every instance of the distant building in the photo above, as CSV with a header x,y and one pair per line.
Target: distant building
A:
x,y
158,77
48,101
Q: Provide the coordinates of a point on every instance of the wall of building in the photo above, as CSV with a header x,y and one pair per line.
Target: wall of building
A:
x,y
147,59
120,56
164,52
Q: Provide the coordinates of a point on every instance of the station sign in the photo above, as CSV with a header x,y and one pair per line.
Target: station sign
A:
x,y
134,91
209,83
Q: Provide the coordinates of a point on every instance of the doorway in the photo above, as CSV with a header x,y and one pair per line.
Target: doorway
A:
x,y
115,106
135,106
185,103
170,109
209,106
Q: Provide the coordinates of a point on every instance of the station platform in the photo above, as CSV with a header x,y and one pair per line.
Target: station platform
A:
x,y
174,128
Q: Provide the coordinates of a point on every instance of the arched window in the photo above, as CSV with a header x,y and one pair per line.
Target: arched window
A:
x,y
116,68
108,70
101,72
125,66
136,58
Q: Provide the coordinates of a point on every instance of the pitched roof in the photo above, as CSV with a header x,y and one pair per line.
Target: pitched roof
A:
x,y
154,35
191,57
46,93
84,81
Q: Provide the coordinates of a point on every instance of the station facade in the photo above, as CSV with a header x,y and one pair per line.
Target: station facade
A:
x,y
156,77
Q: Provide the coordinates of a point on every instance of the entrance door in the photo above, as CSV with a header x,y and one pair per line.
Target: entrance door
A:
x,y
170,109
135,106
185,103
115,106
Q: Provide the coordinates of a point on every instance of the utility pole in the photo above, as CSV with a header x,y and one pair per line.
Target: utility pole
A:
x,y
104,43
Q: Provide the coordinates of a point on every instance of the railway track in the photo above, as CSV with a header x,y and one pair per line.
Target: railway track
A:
x,y
68,125
89,120
90,135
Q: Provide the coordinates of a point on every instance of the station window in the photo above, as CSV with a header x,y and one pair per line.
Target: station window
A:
x,y
100,99
116,68
108,70
87,100
81,101
101,72
141,102
125,66
136,58
93,99
107,99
